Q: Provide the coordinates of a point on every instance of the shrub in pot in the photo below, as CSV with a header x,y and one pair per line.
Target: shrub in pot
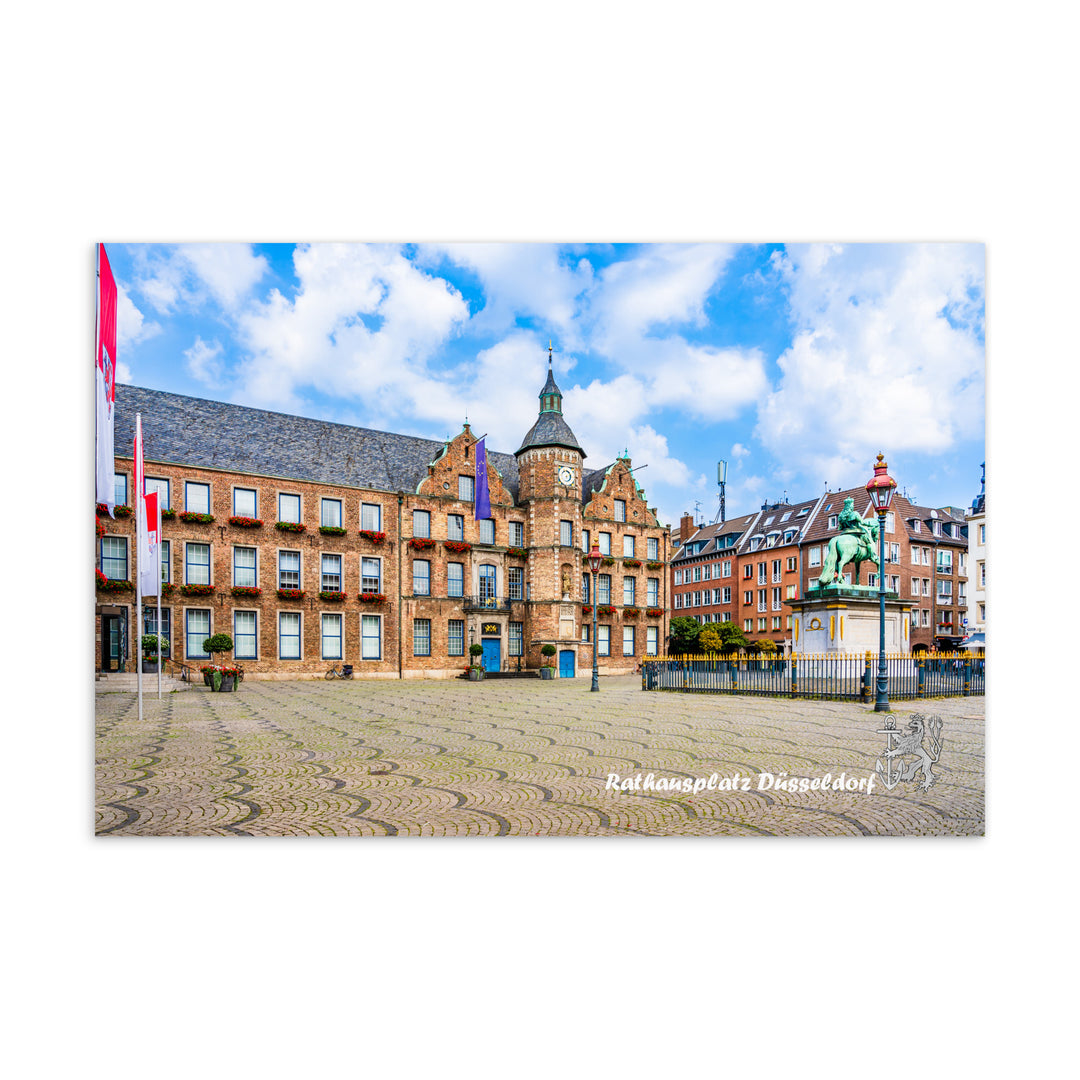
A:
x,y
547,670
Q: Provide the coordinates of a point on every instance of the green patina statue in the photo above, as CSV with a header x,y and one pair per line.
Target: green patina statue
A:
x,y
855,543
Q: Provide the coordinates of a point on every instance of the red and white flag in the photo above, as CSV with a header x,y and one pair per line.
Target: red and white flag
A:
x,y
105,380
147,522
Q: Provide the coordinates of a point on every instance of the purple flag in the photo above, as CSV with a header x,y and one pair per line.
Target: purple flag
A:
x,y
483,497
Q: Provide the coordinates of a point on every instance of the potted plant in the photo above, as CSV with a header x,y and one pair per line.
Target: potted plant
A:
x,y
476,670
547,670
153,645
219,643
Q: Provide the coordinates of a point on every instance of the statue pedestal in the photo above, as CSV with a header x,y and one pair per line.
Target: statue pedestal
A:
x,y
845,619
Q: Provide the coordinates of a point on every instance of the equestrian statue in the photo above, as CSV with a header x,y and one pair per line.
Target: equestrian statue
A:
x,y
855,543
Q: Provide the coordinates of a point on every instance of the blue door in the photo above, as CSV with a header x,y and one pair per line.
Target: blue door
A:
x,y
566,664
492,654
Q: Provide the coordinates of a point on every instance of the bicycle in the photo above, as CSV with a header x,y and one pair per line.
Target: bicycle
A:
x,y
345,672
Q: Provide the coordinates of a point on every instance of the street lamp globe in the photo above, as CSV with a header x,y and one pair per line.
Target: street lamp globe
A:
x,y
880,488
594,559
594,565
881,485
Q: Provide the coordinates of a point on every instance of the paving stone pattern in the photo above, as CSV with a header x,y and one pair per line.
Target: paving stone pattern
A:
x,y
510,758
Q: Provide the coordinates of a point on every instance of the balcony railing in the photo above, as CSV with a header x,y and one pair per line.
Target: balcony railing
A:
x,y
487,603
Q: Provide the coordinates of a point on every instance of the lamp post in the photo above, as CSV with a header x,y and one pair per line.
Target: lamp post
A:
x,y
880,488
721,479
594,566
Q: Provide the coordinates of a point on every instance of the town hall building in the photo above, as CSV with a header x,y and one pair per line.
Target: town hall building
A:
x,y
314,544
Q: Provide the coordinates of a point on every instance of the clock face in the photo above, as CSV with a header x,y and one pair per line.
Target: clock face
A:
x,y
566,475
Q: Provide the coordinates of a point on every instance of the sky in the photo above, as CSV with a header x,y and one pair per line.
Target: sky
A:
x,y
796,364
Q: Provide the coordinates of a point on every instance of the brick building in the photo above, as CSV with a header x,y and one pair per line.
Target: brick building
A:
x,y
976,531
314,543
746,569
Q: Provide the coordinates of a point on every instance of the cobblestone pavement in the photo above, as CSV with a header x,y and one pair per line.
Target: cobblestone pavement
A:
x,y
513,757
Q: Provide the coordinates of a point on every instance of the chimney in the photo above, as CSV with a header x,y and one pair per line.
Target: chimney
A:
x,y
687,528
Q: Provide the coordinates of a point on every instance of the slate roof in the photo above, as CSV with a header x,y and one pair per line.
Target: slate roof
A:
x,y
197,432
710,534
551,429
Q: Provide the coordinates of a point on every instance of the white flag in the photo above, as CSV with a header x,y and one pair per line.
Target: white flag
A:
x,y
105,382
150,544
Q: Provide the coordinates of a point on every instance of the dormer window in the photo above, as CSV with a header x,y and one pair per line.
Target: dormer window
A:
x,y
805,510
832,519
785,517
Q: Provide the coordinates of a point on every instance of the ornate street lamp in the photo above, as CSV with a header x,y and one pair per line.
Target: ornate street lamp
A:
x,y
594,566
880,488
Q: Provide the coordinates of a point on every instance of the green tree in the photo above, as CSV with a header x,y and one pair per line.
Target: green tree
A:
x,y
684,634
731,637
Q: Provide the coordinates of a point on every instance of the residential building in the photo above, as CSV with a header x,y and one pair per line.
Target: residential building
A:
x,y
976,535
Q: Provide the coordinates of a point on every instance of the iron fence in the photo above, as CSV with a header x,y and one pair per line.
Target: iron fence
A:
x,y
838,676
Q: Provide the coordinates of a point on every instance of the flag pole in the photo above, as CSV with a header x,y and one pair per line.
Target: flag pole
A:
x,y
160,658
140,512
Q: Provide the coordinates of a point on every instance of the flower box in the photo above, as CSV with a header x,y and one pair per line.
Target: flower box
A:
x,y
418,543
652,564
290,594
586,609
242,522
332,530
459,547
605,609
631,612
373,536
168,515
196,590
246,590
119,511
634,563
112,584
516,552
328,594
191,517
654,612
608,561
167,589
372,598
290,526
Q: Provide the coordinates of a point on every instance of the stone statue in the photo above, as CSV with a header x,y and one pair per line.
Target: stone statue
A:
x,y
566,582
855,543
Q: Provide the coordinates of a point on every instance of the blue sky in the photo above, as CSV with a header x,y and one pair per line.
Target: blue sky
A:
x,y
795,363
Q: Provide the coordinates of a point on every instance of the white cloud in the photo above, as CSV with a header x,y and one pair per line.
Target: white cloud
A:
x,y
131,325
204,361
229,271
885,356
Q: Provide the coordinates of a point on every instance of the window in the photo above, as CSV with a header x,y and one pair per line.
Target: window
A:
x,y
805,510
748,596
792,592
196,497
620,510
725,595
371,575
917,526
244,573
706,571
793,563
925,617
652,641
370,637
488,583
517,639
944,591
421,637
603,588
421,577
748,624
566,533
944,562
770,540
455,527
371,517
890,523
628,547
761,624
515,583
150,626
725,568
585,628
982,613
755,542
603,641
604,540
331,573
585,588
197,564
697,599
421,524
244,635
487,530
652,548
678,577
288,570
120,488
915,555
628,588
628,641
161,486
832,521
982,574
585,540
652,592
697,573
331,637
466,485
196,631
961,558
330,513
166,562
455,579
776,603
762,599
762,572
926,586
455,637
245,502
748,571
776,570
815,556
114,562
982,531
288,508
894,552
678,600
517,533
289,635
789,535
936,525
776,622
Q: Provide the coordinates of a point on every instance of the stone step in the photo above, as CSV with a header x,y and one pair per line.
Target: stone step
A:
x,y
113,682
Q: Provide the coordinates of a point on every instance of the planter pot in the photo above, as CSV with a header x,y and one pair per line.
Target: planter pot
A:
x,y
547,673
149,667
228,684
475,675
206,678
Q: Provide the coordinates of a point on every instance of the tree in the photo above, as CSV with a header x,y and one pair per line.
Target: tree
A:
x,y
684,634
726,637
219,643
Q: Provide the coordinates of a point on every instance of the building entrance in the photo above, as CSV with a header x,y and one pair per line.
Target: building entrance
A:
x,y
492,654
